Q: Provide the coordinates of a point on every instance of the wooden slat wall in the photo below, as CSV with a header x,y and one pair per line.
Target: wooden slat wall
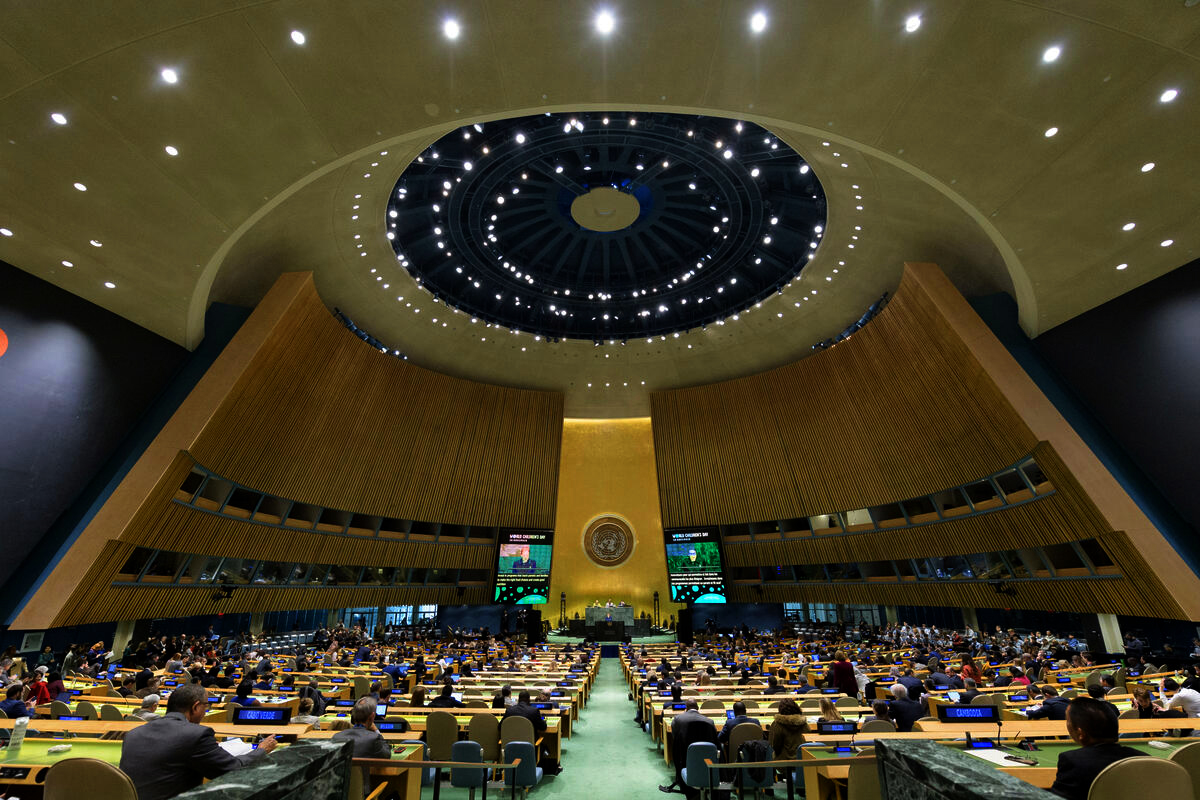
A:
x,y
899,410
324,418
99,601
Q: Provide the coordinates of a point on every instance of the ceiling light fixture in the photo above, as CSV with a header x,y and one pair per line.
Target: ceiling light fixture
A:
x,y
605,22
66,263
451,29
1051,54
1149,165
1166,243
1168,96
912,23
1128,226
1050,132
109,285
171,150
169,75
1122,266
758,21
5,232
298,37
79,186
61,119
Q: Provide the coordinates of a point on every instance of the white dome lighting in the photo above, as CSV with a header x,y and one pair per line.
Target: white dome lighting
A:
x,y
298,37
605,22
1051,54
451,29
60,119
1168,96
169,75
758,22
912,23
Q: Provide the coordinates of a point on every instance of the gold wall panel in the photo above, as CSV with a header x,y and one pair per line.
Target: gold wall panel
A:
x,y
607,467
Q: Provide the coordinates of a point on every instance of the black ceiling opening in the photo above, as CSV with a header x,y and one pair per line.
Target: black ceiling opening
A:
x,y
712,216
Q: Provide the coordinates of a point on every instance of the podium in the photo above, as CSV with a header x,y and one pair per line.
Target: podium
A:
x,y
610,630
594,616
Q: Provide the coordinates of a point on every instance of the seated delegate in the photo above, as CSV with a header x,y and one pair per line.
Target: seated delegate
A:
x,y
1093,726
175,753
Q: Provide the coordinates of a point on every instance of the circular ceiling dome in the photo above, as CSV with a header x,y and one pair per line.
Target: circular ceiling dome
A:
x,y
606,225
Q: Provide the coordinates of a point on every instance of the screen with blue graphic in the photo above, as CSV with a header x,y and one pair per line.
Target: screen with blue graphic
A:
x,y
694,570
523,566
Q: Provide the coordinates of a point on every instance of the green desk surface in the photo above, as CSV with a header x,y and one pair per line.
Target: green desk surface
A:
x,y
1046,755
552,722
32,752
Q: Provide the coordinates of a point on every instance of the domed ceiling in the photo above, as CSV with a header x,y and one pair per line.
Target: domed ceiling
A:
x,y
606,225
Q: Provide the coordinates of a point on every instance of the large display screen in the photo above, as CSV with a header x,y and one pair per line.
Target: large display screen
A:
x,y
523,566
694,565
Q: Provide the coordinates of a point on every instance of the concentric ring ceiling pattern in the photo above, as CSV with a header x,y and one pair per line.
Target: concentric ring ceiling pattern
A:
x,y
606,226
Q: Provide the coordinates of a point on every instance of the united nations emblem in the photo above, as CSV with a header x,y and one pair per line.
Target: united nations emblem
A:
x,y
608,540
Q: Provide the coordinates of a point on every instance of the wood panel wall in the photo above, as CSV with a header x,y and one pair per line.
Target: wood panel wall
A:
x,y
323,418
900,409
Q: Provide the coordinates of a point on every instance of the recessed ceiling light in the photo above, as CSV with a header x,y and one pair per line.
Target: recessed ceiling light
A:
x,y
171,150
728,154
95,243
61,119
1051,54
1166,97
451,29
912,23
520,138
80,186
758,22
298,37
605,22
5,232
804,169
1050,132
66,263
169,75
1122,266
109,285
1149,165
1128,226
1166,243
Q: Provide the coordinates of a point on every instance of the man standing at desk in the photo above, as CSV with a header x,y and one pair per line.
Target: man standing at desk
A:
x,y
174,753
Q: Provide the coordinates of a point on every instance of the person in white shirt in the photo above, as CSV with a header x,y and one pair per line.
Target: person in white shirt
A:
x,y
1187,700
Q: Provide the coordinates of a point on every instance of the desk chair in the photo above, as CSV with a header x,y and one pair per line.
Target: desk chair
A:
x,y
751,705
484,729
846,702
475,704
103,781
745,778
877,726
3,715
516,729
1188,757
441,732
467,777
742,732
713,703
58,708
862,780
527,774
110,713
1130,776
696,773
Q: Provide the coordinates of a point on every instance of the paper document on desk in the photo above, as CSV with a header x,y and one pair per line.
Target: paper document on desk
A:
x,y
994,756
236,747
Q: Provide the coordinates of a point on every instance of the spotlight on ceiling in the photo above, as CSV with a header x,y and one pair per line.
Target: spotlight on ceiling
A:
x,y
912,23
451,29
758,22
605,22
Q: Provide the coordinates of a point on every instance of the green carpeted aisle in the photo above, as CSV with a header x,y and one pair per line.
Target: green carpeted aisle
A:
x,y
606,757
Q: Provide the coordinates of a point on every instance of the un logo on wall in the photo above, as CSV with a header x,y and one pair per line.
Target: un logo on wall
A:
x,y
608,540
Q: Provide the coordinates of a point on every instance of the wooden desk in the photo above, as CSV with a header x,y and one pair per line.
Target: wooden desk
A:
x,y
85,728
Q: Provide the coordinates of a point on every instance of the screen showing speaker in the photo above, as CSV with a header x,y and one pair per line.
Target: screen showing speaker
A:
x,y
694,571
523,566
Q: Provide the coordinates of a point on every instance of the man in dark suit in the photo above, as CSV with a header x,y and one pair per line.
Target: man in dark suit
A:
x,y
368,741
911,683
773,686
1094,727
804,687
1052,707
174,753
686,729
904,712
968,693
524,708
739,716
446,698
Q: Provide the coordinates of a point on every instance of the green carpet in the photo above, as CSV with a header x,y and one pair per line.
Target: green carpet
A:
x,y
606,757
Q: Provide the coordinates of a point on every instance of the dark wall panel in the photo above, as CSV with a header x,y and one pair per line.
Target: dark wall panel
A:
x,y
1135,362
74,379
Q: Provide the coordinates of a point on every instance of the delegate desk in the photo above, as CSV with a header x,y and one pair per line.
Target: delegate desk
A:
x,y
826,781
96,727
551,738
